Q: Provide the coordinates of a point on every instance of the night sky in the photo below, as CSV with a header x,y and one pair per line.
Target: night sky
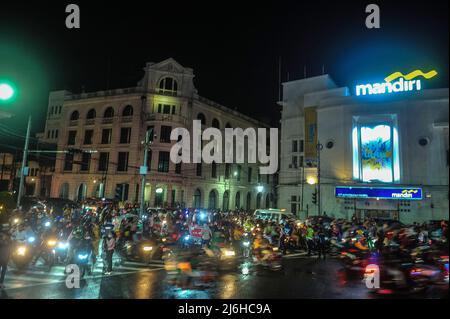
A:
x,y
233,48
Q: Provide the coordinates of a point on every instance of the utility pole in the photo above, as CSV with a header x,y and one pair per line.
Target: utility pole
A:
x,y
319,208
24,162
144,169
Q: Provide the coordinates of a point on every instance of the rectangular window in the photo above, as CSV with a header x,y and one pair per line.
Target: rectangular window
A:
x,y
268,179
159,108
294,208
302,146
68,162
125,135
249,175
48,134
239,169
173,198
152,133
163,162
301,161
122,162
294,162
56,134
149,160
199,169
71,137
165,134
178,168
213,170
293,198
103,162
259,178
88,134
294,146
174,109
106,136
85,162
227,170
166,109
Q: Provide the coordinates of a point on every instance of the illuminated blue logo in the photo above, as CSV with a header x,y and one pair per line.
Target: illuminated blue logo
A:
x,y
401,193
403,84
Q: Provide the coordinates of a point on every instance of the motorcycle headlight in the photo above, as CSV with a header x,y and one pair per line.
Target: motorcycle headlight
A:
x,y
21,251
82,257
275,248
147,248
63,245
47,224
16,220
229,253
186,237
246,243
163,240
31,239
51,242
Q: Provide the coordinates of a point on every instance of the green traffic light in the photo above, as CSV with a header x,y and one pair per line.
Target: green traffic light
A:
x,y
6,92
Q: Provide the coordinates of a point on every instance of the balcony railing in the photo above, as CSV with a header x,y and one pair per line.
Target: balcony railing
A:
x,y
107,120
127,119
73,123
90,122
166,117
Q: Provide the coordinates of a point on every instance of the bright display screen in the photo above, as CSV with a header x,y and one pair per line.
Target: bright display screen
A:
x,y
376,153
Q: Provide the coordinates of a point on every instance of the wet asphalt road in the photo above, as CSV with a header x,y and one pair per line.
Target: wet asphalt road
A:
x,y
301,277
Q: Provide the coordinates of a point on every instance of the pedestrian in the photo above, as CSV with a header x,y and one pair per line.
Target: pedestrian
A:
x,y
321,243
5,252
310,239
110,245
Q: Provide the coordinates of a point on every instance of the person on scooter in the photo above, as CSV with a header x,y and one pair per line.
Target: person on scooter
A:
x,y
45,236
5,252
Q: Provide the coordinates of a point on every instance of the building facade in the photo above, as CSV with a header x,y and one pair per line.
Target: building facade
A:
x,y
383,156
99,136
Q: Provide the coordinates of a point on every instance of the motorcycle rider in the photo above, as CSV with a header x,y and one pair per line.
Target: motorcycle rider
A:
x,y
5,252
45,236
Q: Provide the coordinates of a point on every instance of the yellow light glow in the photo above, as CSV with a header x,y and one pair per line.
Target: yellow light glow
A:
x,y
311,180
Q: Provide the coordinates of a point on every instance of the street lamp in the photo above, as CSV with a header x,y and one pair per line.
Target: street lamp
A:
x,y
6,91
259,188
311,180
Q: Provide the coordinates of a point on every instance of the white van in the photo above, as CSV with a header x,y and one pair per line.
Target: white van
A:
x,y
276,215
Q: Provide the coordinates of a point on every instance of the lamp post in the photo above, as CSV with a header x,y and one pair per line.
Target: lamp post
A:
x,y
7,93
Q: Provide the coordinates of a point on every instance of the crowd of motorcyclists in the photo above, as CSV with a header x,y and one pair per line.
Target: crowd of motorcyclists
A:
x,y
189,239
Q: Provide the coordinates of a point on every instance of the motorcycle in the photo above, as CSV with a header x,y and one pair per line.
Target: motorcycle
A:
x,y
23,252
144,251
269,257
48,253
83,259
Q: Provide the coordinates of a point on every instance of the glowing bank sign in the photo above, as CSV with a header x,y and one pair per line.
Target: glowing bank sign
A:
x,y
401,193
396,82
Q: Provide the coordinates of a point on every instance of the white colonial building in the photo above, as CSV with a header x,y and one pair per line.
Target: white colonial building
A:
x,y
384,155
109,126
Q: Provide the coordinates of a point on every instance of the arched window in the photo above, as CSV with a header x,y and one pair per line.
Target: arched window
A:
x,y
168,86
226,201
109,112
268,201
74,116
201,117
237,201
197,198
212,199
81,192
215,123
64,191
127,111
249,201
228,125
91,114
258,200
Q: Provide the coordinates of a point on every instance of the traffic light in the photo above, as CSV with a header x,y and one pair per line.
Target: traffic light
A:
x,y
314,197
